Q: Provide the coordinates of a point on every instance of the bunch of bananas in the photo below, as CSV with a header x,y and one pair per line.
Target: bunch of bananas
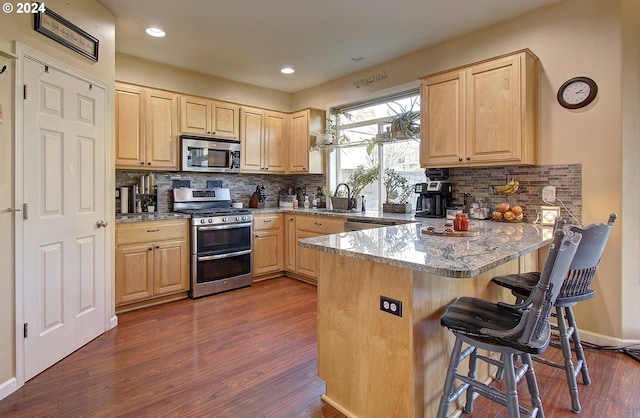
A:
x,y
507,189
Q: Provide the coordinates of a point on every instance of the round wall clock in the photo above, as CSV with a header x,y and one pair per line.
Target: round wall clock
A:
x,y
577,92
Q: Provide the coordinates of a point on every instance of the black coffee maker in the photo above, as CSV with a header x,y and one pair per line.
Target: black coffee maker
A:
x,y
434,196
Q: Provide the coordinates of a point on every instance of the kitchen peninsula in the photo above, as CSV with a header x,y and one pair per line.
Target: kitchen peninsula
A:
x,y
379,364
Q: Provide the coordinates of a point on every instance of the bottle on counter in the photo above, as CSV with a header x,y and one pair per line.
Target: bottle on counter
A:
x,y
314,202
306,202
461,222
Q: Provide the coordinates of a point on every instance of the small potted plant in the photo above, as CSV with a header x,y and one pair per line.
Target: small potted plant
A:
x,y
149,203
398,190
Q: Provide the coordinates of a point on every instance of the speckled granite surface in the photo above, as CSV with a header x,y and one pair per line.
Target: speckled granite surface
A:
x,y
407,247
153,216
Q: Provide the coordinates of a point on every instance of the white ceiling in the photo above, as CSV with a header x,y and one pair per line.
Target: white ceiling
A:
x,y
250,40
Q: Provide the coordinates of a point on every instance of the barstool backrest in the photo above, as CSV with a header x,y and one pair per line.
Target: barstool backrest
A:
x,y
544,294
585,262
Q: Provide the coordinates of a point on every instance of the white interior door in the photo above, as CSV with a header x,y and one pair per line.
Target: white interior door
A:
x,y
64,159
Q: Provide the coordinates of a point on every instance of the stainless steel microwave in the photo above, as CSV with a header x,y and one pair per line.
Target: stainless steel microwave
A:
x,y
210,155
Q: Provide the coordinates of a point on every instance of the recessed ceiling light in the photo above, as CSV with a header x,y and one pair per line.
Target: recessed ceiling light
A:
x,y
287,70
155,32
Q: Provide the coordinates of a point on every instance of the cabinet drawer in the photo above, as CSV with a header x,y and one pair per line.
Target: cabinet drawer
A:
x,y
322,225
263,222
152,231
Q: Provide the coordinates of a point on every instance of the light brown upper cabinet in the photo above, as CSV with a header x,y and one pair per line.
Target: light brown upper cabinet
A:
x,y
263,134
146,128
305,124
202,116
483,114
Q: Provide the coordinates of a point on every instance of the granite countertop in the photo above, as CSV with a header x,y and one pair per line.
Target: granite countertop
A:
x,y
369,214
461,257
153,216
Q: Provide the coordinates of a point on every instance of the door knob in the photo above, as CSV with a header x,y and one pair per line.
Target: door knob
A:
x,y
101,223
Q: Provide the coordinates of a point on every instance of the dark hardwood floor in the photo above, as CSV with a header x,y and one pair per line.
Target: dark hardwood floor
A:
x,y
249,353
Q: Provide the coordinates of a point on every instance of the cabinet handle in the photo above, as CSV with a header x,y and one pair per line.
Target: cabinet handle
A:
x,y
468,158
153,230
157,247
149,163
267,220
317,223
460,159
142,162
150,249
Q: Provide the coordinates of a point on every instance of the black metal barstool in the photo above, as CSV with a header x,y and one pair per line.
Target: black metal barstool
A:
x,y
576,288
509,330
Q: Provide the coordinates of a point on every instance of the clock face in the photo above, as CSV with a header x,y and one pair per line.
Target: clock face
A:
x,y
577,92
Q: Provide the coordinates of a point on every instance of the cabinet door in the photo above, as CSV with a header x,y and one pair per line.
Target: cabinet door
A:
x,y
195,115
493,115
134,272
442,124
171,267
307,259
129,126
161,130
304,125
268,251
291,245
299,145
251,134
275,132
225,120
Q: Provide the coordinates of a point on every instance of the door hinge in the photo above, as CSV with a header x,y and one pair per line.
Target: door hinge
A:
x,y
24,92
26,329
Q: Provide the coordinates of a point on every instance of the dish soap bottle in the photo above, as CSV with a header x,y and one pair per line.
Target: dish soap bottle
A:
x,y
306,202
314,202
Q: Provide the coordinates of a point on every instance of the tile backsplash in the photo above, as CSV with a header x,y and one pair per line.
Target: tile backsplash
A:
x,y
476,182
567,179
241,186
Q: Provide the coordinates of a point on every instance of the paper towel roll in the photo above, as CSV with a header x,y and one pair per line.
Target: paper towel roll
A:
x,y
124,200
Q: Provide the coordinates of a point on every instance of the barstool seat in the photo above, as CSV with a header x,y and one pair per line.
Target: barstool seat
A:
x,y
575,288
508,330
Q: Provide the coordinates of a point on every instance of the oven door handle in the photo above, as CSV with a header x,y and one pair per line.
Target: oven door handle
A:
x,y
219,256
218,227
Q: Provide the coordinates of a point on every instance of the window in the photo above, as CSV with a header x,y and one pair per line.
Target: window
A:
x,y
380,134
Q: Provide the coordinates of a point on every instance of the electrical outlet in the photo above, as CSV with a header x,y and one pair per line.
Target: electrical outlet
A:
x,y
391,306
117,193
549,194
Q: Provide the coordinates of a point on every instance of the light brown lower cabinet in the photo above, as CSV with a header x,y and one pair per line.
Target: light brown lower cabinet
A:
x,y
152,263
312,226
275,244
268,244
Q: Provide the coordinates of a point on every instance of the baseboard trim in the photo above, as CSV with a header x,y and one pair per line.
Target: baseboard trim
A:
x,y
605,340
8,387
113,322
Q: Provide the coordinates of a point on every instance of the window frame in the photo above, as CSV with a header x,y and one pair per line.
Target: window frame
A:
x,y
381,96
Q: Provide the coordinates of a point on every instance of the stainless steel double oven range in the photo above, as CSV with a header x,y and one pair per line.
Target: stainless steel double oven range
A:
x,y
221,240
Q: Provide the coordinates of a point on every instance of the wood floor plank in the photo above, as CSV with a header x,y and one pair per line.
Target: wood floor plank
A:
x,y
251,352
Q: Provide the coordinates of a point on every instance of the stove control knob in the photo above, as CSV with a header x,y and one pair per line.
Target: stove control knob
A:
x,y
224,219
203,220
237,218
210,220
244,218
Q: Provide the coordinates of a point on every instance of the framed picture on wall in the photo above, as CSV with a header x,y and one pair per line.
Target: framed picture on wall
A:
x,y
61,30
